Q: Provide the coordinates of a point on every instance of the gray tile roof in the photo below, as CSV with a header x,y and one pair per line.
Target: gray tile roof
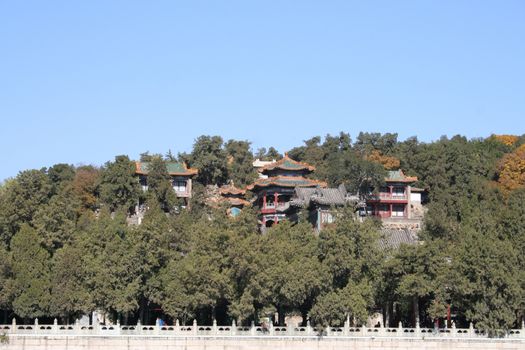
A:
x,y
393,238
322,196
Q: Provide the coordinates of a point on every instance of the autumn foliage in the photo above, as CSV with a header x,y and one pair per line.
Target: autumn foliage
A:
x,y
389,163
508,140
512,170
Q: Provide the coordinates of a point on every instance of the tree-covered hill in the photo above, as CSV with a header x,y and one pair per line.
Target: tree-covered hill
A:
x,y
67,250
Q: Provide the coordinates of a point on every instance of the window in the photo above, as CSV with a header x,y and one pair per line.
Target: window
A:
x,y
398,192
398,210
327,218
179,185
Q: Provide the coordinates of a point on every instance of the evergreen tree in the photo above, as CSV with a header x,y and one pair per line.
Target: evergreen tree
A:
x,y
119,187
31,270
210,158
70,297
240,159
159,184
21,198
55,222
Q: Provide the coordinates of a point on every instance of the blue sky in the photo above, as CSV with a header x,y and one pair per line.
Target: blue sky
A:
x,y
83,81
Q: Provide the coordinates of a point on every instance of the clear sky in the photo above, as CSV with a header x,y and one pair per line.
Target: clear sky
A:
x,y
83,81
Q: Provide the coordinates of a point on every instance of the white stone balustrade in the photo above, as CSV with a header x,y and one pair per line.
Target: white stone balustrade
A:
x,y
233,330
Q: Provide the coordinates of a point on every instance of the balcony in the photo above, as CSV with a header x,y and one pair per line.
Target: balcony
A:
x,y
270,208
385,196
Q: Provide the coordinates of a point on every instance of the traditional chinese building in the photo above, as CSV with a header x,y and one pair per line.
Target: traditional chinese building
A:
x,y
321,202
273,194
397,200
235,197
181,177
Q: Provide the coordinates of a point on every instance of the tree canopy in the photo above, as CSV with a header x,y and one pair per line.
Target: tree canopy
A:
x,y
67,249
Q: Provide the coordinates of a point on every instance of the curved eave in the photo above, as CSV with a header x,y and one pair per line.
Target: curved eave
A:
x,y
280,164
264,183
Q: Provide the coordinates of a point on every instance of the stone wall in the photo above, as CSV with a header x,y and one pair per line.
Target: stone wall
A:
x,y
57,342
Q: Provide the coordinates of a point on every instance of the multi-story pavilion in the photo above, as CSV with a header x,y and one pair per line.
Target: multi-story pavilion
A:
x,y
394,200
273,194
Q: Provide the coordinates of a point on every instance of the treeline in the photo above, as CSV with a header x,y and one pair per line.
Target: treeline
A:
x,y
66,249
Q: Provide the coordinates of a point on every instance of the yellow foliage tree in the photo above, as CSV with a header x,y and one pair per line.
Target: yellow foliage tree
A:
x,y
389,163
508,140
512,170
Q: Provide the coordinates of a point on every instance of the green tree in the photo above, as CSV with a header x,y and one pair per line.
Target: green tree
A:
x,y
240,162
70,297
60,175
487,283
31,270
357,174
209,156
119,187
112,275
7,289
350,250
282,273
55,222
368,142
21,198
353,301
197,281
159,184
268,155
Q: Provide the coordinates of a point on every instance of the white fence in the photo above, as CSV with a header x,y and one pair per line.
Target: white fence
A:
x,y
215,330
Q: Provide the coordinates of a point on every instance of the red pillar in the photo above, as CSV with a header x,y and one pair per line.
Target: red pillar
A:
x,y
390,189
275,199
264,200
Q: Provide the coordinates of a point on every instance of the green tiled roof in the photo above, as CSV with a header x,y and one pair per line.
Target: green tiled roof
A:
x,y
287,164
287,181
173,168
398,175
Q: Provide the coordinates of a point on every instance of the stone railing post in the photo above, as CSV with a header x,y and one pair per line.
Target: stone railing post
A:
x,y
157,326
13,325
346,326
272,331
138,327
117,326
195,327
471,329
328,331
290,329
363,330
177,326
252,328
453,330
234,328
400,329
418,330
308,328
55,325
35,330
214,327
